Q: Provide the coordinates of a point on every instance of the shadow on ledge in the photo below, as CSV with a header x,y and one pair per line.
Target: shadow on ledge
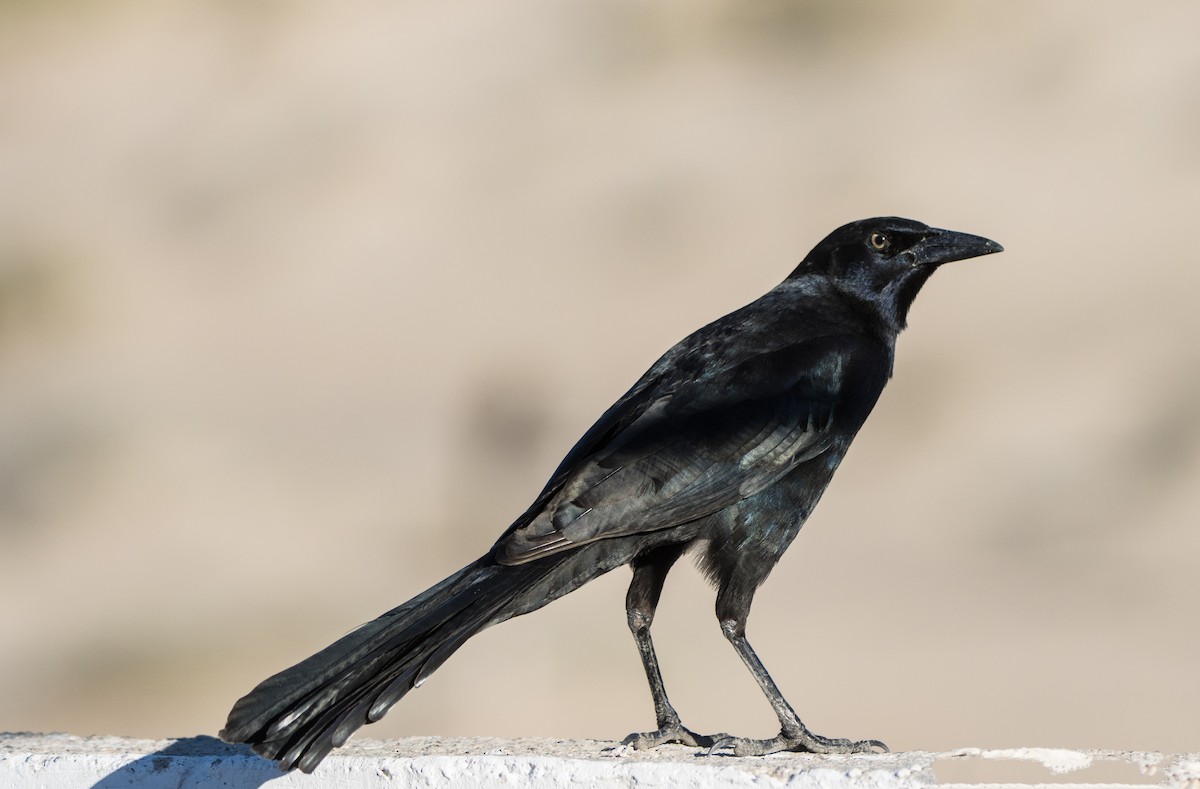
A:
x,y
195,761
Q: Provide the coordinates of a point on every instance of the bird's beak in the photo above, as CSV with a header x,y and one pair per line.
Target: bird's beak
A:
x,y
945,246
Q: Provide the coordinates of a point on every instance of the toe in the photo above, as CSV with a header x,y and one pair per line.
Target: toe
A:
x,y
675,733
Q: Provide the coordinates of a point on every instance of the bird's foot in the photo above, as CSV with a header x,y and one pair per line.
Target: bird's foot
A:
x,y
669,732
803,741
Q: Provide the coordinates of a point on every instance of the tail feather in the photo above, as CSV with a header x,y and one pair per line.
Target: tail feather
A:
x,y
300,714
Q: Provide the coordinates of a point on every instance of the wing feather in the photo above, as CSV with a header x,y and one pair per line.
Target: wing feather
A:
x,y
689,453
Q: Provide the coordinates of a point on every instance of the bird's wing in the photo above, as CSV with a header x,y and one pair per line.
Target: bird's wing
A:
x,y
689,450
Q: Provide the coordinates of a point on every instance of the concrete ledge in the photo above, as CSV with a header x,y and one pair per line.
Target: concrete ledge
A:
x,y
59,760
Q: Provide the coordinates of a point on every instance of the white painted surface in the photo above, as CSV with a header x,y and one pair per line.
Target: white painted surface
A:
x,y
58,760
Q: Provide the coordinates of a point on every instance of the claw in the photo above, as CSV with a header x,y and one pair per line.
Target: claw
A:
x,y
728,745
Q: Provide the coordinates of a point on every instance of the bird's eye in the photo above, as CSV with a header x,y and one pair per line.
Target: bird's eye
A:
x,y
880,241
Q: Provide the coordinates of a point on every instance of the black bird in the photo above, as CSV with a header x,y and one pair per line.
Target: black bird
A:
x,y
724,446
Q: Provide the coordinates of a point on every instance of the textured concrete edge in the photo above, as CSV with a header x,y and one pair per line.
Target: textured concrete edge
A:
x,y
28,760
59,760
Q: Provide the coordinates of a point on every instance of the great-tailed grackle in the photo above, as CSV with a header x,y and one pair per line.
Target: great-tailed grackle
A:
x,y
724,445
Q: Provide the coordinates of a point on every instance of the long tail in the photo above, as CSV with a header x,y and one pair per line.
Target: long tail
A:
x,y
297,716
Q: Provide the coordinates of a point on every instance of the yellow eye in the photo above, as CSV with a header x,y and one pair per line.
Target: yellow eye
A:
x,y
880,241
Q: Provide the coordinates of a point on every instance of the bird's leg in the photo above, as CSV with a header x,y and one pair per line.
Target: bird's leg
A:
x,y
732,610
649,573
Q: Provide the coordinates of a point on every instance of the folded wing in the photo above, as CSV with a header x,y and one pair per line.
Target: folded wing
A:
x,y
668,457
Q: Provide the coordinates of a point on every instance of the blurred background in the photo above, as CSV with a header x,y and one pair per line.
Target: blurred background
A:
x,y
301,303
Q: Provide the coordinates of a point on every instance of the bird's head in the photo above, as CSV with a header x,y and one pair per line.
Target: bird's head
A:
x,y
886,260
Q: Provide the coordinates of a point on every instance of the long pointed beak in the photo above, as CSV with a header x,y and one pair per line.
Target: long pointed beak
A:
x,y
945,246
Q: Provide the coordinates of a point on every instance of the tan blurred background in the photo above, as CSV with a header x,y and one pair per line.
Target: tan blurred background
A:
x,y
300,303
